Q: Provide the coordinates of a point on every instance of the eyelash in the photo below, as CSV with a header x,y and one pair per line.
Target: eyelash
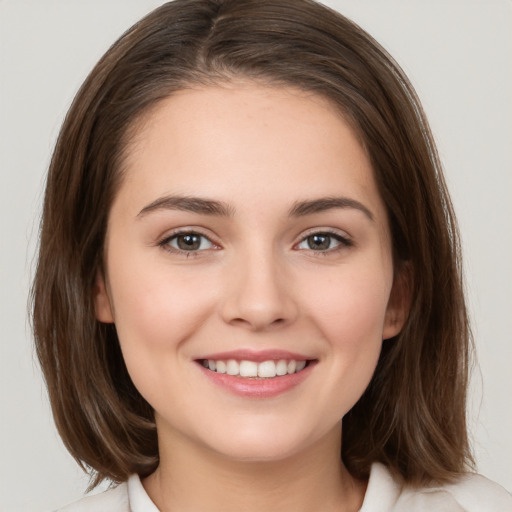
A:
x,y
166,241
344,242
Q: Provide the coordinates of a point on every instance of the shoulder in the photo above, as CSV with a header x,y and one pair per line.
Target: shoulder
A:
x,y
470,493
129,496
112,500
477,493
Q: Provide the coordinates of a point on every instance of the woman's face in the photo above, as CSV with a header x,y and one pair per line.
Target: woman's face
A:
x,y
248,235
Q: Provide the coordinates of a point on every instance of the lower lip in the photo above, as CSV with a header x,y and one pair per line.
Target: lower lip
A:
x,y
252,387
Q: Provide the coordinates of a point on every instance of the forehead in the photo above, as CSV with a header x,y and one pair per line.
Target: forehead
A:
x,y
243,142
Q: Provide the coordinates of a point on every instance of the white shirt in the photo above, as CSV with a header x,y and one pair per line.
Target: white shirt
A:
x,y
472,493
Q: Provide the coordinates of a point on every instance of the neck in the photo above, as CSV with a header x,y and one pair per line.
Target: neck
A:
x,y
191,478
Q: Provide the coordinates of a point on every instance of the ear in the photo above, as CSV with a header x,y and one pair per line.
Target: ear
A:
x,y
102,305
399,302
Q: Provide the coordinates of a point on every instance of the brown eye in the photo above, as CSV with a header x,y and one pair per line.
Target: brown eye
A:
x,y
319,242
189,242
323,242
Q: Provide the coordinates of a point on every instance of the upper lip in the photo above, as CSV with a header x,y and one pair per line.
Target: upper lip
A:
x,y
257,356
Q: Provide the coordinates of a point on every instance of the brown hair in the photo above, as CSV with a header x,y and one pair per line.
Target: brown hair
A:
x,y
412,416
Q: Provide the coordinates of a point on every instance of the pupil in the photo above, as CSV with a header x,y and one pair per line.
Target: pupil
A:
x,y
317,242
188,242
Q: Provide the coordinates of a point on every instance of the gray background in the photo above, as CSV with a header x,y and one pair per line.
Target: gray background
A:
x,y
458,54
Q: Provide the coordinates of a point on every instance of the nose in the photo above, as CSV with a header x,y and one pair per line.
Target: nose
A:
x,y
259,294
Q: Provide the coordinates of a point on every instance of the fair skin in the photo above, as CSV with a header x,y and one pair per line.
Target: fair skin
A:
x,y
264,270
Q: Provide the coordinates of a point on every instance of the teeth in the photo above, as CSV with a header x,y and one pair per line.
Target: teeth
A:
x,y
281,367
221,366
265,369
300,366
248,369
232,367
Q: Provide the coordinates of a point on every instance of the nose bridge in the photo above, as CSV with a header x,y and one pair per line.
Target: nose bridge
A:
x,y
259,295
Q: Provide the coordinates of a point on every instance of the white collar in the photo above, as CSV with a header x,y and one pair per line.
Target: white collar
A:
x,y
381,494
138,497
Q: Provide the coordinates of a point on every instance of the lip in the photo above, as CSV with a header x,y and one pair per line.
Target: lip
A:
x,y
258,356
252,387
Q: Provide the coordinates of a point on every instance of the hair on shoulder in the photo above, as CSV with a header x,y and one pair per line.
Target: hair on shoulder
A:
x,y
412,416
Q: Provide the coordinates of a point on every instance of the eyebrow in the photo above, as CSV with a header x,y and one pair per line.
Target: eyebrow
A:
x,y
205,206
189,204
303,208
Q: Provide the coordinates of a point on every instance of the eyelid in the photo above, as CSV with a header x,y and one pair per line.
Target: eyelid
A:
x,y
342,237
164,241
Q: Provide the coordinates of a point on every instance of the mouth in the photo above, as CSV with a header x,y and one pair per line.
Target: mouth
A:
x,y
248,369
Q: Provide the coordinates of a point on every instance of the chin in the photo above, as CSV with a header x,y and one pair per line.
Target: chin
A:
x,y
268,445
254,452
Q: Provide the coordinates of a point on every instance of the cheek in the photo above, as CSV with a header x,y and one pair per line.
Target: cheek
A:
x,y
350,315
157,310
350,310
156,306
351,306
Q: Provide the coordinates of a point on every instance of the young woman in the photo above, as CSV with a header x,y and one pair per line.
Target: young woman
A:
x,y
249,288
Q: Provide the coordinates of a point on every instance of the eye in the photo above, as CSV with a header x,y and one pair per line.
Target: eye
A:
x,y
187,242
323,242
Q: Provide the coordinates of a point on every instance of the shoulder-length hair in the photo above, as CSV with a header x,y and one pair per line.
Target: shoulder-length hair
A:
x,y
412,416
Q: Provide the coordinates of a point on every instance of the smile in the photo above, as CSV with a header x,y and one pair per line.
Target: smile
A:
x,y
252,369
256,374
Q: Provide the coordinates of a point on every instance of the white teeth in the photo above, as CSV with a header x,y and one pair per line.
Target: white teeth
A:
x,y
232,367
266,369
248,369
300,366
221,367
281,367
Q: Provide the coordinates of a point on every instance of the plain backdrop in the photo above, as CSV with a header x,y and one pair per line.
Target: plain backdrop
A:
x,y
458,54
